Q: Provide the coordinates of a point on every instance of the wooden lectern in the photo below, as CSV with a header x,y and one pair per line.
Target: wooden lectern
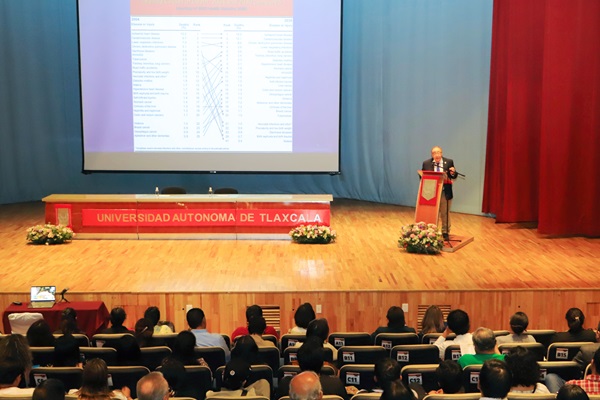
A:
x,y
428,199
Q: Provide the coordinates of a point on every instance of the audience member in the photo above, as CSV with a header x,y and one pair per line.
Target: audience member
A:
x,y
449,378
397,390
128,351
525,371
396,323
576,332
518,326
158,327
66,352
11,373
197,322
144,334
433,321
572,392
40,335
484,342
458,323
252,311
311,357
494,379
153,386
14,348
319,328
68,322
174,372
117,318
303,315
591,383
94,383
235,379
256,328
183,348
50,389
386,371
305,386
245,348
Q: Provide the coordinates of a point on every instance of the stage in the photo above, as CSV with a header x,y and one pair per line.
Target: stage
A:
x,y
508,267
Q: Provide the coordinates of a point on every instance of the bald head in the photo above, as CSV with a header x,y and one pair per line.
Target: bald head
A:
x,y
153,386
306,386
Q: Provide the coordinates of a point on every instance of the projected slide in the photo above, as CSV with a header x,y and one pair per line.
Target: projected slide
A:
x,y
208,85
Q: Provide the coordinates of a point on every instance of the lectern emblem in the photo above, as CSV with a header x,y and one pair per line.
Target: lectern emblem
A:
x,y
428,191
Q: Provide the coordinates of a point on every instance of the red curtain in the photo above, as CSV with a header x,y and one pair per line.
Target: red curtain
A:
x,y
543,144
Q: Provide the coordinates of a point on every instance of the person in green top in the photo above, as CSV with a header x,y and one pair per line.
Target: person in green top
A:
x,y
484,342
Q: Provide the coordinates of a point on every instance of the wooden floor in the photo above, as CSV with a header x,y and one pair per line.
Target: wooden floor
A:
x,y
365,258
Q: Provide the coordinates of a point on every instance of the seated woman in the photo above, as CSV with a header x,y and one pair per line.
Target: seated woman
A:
x,y
144,334
235,380
576,332
396,323
66,352
525,371
40,335
15,348
94,384
256,328
128,351
183,349
174,372
68,322
433,321
159,327
319,328
302,317
518,326
246,349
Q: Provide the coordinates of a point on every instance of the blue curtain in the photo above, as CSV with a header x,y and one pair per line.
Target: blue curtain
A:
x,y
415,73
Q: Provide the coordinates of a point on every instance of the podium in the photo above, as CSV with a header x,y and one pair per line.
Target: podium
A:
x,y
429,197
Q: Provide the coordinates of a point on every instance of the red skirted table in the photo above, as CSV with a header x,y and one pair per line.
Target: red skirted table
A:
x,y
92,316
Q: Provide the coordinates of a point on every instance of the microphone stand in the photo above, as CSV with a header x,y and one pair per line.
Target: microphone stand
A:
x,y
62,296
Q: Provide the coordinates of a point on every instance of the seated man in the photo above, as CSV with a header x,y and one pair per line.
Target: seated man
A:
x,y
197,322
306,386
253,311
449,378
458,323
117,318
311,357
494,380
10,377
484,342
153,386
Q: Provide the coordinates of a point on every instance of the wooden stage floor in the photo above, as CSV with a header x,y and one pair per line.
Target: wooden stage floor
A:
x,y
365,257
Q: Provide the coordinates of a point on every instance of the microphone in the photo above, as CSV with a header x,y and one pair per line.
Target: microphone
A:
x,y
64,291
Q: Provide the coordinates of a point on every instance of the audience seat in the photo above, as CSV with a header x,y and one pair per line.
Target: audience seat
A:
x,y
271,338
152,357
454,396
290,355
429,338
289,340
410,354
70,376
389,340
564,351
213,355
325,397
340,339
291,370
107,339
361,354
422,374
42,356
168,339
359,375
108,354
82,340
543,336
471,378
126,376
199,380
367,396
565,369
501,332
257,372
452,352
531,396
20,322
269,356
537,348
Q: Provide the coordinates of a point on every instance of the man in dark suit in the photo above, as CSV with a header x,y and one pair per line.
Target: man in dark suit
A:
x,y
445,165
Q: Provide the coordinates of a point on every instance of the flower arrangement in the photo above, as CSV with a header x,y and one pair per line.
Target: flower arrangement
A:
x,y
49,234
320,234
421,238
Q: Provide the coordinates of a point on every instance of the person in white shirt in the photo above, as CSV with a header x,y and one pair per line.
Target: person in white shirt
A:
x,y
518,326
458,323
304,314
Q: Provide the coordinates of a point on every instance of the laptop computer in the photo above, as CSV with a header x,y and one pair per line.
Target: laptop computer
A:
x,y
42,297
